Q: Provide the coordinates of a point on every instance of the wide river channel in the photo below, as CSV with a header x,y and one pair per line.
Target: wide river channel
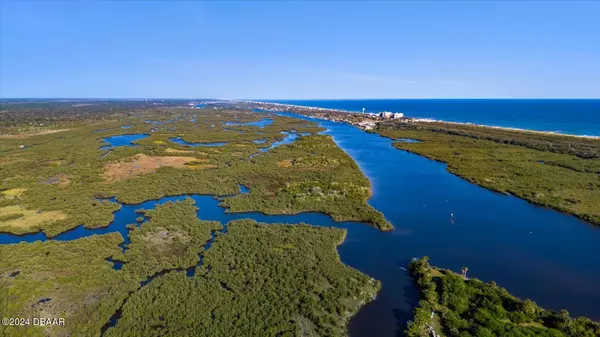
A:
x,y
534,252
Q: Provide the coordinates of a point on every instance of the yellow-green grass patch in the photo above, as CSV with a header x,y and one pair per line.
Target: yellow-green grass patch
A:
x,y
13,193
17,217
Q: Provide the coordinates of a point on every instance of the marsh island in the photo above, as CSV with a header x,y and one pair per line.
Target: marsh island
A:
x,y
96,222
197,218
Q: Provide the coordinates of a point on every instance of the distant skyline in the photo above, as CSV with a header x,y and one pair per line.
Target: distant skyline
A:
x,y
300,50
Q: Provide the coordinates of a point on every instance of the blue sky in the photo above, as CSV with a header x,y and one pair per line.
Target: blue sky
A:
x,y
305,49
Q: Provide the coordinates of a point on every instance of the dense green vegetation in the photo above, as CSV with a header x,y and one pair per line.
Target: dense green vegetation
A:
x,y
311,174
257,280
26,115
60,175
82,287
469,307
555,171
172,239
582,147
81,284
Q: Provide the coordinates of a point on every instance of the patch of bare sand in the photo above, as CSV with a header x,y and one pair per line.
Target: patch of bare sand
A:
x,y
142,164
31,134
285,163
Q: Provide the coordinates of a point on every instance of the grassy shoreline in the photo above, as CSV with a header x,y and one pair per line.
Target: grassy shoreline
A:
x,y
58,177
268,279
550,171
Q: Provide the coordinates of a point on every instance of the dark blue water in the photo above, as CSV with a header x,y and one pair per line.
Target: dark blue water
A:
x,y
117,265
122,140
180,141
534,252
261,123
573,116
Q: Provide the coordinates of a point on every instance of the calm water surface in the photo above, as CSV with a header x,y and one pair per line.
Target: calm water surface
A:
x,y
123,140
534,252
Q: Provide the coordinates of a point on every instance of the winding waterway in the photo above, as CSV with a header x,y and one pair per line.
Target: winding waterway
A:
x,y
534,252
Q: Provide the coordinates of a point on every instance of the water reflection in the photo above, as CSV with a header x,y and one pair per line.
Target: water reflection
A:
x,y
122,140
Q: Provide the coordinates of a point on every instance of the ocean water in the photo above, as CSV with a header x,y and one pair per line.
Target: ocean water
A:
x,y
532,251
571,116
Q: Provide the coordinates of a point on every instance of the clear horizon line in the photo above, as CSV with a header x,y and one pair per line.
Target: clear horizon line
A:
x,y
306,99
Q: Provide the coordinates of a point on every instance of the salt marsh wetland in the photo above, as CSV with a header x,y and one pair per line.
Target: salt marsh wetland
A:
x,y
214,222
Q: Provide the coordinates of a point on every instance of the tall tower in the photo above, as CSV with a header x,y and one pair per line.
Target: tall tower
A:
x,y
363,110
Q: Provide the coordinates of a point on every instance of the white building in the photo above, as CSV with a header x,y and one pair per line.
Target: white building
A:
x,y
391,115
